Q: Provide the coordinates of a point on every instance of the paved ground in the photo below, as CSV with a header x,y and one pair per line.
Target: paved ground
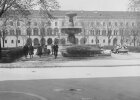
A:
x,y
77,89
106,78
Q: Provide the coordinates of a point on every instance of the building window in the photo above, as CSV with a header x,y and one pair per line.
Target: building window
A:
x,y
18,23
35,31
56,30
42,31
12,32
115,32
104,41
18,41
28,23
12,41
103,23
109,32
109,23
92,41
18,31
35,23
91,32
97,40
11,23
97,23
56,23
29,31
97,32
127,24
121,23
63,23
92,24
5,41
49,31
133,24
121,31
116,24
104,32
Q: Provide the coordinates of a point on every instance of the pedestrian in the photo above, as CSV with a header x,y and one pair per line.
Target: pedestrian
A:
x,y
25,50
55,50
52,49
31,51
39,50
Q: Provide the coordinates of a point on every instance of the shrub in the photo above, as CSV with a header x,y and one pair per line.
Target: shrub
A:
x,y
83,50
11,54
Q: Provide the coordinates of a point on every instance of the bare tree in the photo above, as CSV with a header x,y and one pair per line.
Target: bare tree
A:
x,y
4,30
23,7
135,35
134,5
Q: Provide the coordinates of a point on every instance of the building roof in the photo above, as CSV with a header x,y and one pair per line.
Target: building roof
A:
x,y
89,14
99,14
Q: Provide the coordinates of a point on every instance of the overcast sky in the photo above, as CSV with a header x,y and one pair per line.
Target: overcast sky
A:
x,y
99,5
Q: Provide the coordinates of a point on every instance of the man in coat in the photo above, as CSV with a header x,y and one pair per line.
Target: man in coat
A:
x,y
55,50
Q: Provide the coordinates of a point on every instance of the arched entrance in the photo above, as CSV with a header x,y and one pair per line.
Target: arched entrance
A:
x,y
76,41
114,41
83,40
49,41
36,42
29,41
56,41
63,41
42,41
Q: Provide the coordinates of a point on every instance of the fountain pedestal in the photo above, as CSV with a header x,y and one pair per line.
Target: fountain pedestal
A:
x,y
72,49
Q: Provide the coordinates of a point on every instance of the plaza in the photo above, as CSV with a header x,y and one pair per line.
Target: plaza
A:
x,y
96,52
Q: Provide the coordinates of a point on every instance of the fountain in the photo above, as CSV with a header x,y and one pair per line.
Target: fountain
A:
x,y
71,30
72,49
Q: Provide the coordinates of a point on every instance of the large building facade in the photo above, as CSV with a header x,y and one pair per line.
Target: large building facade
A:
x,y
98,27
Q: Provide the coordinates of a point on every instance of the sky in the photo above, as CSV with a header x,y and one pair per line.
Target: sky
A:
x,y
94,5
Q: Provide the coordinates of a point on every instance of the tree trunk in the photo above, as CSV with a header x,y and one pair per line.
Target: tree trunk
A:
x,y
3,42
0,50
134,41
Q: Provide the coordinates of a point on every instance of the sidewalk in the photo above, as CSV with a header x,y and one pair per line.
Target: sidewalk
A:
x,y
67,73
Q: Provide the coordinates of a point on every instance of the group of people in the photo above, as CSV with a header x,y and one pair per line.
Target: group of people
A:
x,y
28,50
40,50
54,50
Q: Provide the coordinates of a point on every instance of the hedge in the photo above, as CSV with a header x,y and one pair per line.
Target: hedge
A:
x,y
83,50
11,54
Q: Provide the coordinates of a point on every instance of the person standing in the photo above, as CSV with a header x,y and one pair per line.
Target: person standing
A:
x,y
39,50
55,50
31,51
25,50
